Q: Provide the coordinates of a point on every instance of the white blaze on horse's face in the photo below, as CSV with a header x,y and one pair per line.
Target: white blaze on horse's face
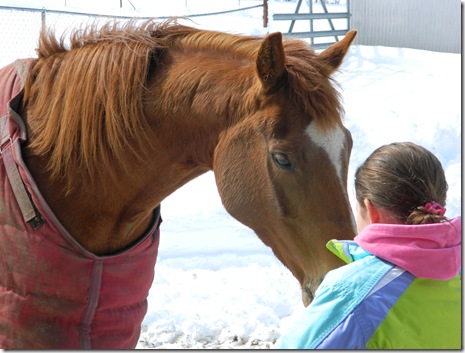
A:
x,y
332,142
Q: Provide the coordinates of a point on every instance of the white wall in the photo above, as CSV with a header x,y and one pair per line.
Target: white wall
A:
x,y
420,24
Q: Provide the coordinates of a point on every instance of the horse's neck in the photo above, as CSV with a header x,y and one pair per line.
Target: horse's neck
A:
x,y
207,92
105,218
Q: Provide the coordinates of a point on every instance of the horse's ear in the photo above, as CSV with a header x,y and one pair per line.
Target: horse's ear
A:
x,y
270,62
333,56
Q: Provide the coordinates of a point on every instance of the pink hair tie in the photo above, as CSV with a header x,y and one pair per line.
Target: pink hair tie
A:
x,y
435,208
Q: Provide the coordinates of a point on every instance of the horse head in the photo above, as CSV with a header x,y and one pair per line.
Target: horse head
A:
x,y
282,170
153,106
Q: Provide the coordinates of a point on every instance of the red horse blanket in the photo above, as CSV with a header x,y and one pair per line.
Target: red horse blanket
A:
x,y
53,292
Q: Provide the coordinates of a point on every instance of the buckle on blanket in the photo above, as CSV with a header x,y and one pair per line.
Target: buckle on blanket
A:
x,y
37,221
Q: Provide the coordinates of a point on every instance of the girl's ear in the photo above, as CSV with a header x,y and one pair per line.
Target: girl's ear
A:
x,y
373,211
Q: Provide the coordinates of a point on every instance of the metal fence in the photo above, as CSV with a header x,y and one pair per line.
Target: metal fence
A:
x,y
422,24
20,27
321,22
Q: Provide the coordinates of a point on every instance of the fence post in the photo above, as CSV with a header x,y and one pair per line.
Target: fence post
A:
x,y
43,19
265,13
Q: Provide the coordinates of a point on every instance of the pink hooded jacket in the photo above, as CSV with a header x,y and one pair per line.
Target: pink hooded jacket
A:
x,y
427,251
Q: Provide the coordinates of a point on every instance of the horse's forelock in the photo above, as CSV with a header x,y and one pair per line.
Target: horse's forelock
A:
x,y
310,86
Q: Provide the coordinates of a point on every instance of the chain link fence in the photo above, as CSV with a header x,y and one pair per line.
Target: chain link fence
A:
x,y
20,27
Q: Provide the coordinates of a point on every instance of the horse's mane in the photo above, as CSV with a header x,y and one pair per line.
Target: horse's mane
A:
x,y
91,92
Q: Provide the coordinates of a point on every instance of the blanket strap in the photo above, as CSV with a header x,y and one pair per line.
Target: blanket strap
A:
x,y
19,190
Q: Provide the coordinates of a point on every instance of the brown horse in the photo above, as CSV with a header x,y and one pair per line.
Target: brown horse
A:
x,y
129,113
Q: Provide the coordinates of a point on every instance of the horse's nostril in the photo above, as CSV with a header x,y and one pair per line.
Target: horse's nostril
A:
x,y
309,294
309,289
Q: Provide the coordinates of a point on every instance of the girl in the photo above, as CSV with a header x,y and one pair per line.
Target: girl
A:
x,y
401,287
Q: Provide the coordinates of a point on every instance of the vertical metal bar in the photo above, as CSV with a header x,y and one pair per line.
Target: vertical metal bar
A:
x,y
349,15
310,11
43,18
265,13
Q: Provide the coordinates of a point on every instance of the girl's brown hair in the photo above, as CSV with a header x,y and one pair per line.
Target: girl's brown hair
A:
x,y
402,177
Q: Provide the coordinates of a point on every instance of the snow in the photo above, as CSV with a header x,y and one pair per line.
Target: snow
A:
x,y
216,285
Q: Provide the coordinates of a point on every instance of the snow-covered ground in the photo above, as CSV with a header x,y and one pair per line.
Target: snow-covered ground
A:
x,y
216,284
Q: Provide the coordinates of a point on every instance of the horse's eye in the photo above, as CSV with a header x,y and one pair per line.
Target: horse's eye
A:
x,y
282,160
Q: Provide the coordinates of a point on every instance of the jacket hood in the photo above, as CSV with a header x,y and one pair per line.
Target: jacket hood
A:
x,y
426,250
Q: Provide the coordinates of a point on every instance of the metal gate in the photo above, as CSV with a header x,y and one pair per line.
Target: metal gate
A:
x,y
321,22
